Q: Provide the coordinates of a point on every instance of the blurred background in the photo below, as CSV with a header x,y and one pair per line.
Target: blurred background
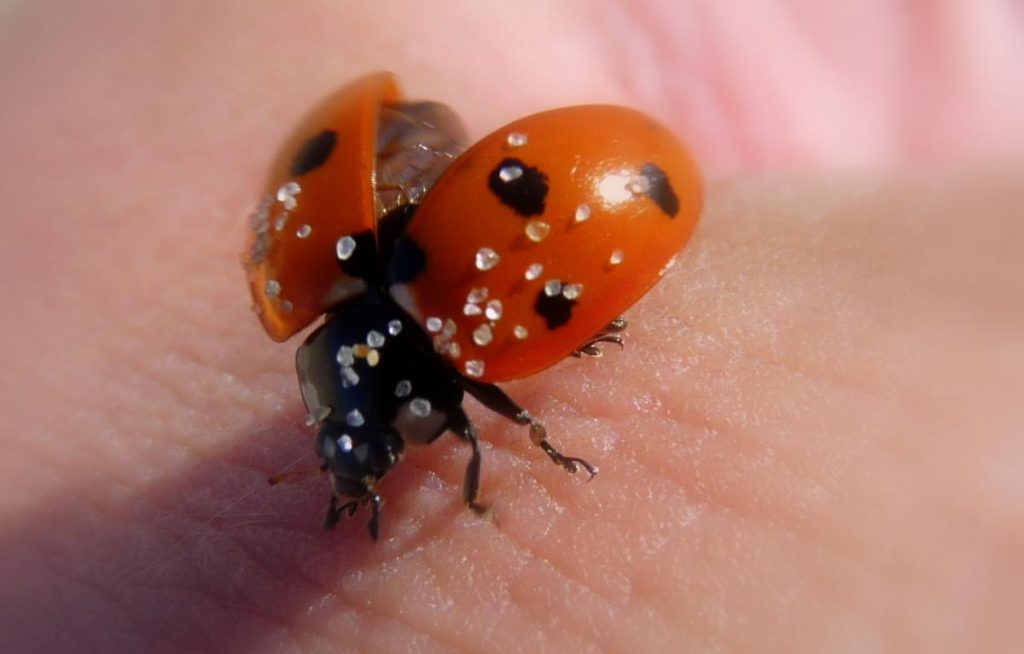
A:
x,y
753,85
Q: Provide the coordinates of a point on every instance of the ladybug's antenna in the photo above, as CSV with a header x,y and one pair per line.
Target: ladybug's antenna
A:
x,y
295,475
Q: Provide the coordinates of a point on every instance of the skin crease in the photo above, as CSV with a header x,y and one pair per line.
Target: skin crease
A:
x,y
811,443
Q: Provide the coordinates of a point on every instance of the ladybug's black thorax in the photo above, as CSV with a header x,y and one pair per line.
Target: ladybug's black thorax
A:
x,y
370,368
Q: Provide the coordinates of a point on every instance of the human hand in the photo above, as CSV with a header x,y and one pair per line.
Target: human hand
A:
x,y
811,442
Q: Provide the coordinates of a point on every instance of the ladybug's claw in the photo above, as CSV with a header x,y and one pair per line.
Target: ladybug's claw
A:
x,y
336,510
606,335
572,464
617,325
590,348
496,400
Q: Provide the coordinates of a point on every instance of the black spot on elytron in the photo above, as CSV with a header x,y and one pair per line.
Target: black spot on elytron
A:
x,y
524,194
363,262
556,310
408,261
314,153
659,190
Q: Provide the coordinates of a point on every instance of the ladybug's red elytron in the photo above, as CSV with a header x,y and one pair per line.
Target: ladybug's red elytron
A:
x,y
442,272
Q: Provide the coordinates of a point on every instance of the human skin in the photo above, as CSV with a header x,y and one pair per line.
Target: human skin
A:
x,y
812,441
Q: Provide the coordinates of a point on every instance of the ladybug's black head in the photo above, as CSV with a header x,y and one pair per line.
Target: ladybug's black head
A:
x,y
357,457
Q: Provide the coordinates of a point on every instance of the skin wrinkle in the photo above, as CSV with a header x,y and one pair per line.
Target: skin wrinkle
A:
x,y
743,547
433,625
520,545
206,529
112,601
683,423
360,615
427,628
788,523
543,615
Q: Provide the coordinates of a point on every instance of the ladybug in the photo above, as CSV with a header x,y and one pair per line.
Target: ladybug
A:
x,y
442,272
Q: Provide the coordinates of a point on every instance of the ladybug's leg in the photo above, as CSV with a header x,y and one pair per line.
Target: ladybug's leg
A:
x,y
607,335
373,526
496,400
461,425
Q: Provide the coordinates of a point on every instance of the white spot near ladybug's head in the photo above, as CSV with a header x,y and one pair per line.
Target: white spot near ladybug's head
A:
x,y
474,368
345,357
516,140
349,377
304,231
454,350
354,418
345,443
537,230
395,327
533,272
403,388
374,338
486,259
520,332
420,407
434,324
471,309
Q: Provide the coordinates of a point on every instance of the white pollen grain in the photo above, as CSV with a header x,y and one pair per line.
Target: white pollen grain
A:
x,y
344,248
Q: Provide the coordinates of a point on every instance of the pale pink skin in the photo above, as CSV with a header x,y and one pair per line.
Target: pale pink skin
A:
x,y
813,441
